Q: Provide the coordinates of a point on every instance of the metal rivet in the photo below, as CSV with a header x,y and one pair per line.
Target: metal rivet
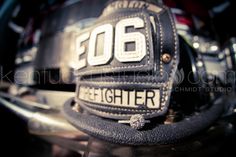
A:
x,y
166,58
75,107
136,121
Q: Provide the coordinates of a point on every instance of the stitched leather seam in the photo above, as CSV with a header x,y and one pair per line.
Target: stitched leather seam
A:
x,y
120,114
121,109
130,66
172,67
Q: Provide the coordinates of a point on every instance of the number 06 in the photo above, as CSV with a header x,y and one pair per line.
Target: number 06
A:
x,y
122,38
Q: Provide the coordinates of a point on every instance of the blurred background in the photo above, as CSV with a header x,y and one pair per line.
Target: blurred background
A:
x,y
36,35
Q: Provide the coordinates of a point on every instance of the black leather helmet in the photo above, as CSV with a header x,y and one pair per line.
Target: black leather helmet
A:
x,y
119,72
138,82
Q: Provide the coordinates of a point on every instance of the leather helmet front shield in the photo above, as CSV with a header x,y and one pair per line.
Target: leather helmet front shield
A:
x,y
127,61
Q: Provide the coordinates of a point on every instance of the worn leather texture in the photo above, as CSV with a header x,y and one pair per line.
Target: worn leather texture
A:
x,y
159,134
148,75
